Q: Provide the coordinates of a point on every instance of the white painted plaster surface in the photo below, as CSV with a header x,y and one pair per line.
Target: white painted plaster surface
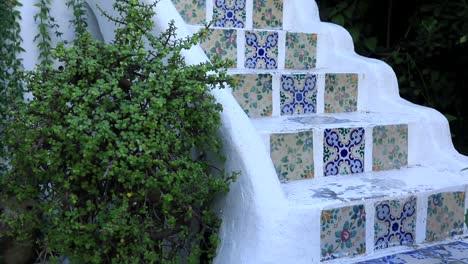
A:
x,y
374,186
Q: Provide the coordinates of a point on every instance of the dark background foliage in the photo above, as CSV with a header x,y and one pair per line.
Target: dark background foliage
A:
x,y
425,42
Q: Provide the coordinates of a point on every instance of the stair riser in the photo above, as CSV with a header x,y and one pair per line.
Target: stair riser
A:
x,y
380,225
285,94
233,13
262,49
338,150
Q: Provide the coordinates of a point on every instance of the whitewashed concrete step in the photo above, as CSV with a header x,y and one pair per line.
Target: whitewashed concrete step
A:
x,y
371,186
292,123
373,213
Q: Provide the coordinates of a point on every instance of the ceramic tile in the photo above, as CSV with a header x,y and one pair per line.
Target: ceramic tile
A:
x,y
390,149
455,250
192,11
229,13
253,92
412,257
395,223
341,91
445,215
292,154
453,253
298,94
343,151
301,51
268,14
222,43
343,232
261,50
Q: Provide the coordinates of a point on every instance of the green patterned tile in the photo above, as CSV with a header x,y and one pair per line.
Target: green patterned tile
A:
x,y
390,149
343,232
445,215
268,14
293,155
254,94
193,11
221,43
341,92
301,50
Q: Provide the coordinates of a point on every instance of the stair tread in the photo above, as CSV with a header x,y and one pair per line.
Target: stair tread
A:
x,y
282,124
334,190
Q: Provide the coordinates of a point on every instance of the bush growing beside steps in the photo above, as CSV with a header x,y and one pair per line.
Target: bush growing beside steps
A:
x,y
106,157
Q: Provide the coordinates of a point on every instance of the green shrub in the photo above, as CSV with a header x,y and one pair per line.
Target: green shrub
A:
x,y
110,149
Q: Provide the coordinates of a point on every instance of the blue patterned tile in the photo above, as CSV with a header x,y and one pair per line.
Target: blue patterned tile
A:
x,y
261,50
453,253
343,151
455,250
298,94
395,223
229,13
412,257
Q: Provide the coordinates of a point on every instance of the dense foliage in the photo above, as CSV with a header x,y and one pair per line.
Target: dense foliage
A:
x,y
425,42
107,158
10,64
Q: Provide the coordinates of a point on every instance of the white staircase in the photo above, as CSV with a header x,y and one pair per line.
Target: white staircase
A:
x,y
335,166
362,173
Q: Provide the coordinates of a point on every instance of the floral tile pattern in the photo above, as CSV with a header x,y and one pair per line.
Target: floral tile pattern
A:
x,y
261,50
293,156
390,149
341,91
454,253
298,94
229,13
343,232
301,51
267,14
395,223
222,43
192,11
343,151
445,215
254,94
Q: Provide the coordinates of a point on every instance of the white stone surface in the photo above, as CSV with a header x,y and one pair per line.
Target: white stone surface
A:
x,y
344,190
